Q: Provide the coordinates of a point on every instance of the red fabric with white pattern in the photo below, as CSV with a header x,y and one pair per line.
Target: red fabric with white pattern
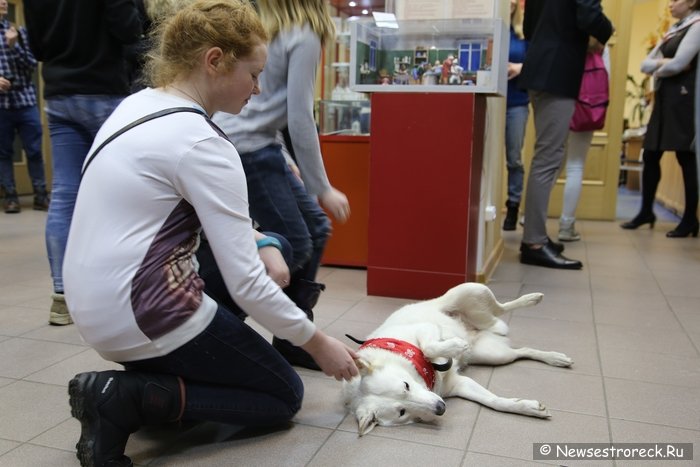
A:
x,y
408,351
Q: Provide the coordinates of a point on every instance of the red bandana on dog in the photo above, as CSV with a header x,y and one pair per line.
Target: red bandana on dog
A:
x,y
408,351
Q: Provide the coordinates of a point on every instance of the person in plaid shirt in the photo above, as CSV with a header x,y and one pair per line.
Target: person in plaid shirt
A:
x,y
19,114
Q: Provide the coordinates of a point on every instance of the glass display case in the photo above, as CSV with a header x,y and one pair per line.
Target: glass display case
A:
x,y
450,55
344,117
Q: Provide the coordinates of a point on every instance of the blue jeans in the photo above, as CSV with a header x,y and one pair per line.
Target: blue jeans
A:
x,y
73,124
231,375
26,123
516,122
279,203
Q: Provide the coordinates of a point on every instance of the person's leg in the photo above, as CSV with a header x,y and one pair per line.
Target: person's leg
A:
x,y
232,375
73,124
228,373
29,128
689,222
651,174
318,224
577,147
552,115
273,204
516,122
7,175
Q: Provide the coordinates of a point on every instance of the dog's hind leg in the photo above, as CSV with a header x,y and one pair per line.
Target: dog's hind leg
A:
x,y
466,388
477,305
490,349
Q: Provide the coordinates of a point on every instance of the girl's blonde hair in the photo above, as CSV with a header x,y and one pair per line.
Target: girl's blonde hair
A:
x,y
281,15
181,38
516,20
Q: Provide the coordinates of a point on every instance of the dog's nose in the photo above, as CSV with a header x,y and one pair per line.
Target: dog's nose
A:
x,y
440,408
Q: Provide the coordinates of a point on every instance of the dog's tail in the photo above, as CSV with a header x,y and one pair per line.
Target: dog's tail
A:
x,y
478,306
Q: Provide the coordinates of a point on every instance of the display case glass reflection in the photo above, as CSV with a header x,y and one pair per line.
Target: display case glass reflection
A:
x,y
452,55
342,117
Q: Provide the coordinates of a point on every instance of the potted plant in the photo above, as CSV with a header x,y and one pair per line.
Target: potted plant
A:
x,y
637,93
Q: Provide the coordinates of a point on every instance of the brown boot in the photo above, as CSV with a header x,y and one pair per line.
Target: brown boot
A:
x,y
11,203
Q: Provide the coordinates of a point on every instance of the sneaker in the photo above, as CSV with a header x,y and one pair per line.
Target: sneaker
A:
x,y
59,315
569,234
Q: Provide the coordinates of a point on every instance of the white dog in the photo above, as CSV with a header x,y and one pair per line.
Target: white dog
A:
x,y
397,383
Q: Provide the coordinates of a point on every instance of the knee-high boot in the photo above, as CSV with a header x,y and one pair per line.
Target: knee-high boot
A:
x,y
111,405
305,295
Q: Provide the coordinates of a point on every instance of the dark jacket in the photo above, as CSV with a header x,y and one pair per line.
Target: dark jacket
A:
x,y
81,43
557,31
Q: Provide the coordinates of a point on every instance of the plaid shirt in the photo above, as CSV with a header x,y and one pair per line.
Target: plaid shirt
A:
x,y
17,64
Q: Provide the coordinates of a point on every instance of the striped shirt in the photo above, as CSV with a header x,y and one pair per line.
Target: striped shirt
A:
x,y
17,64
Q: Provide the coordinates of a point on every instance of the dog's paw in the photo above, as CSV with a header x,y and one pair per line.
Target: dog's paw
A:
x,y
532,299
455,347
559,359
532,408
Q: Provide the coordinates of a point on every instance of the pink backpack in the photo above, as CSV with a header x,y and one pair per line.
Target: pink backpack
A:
x,y
592,102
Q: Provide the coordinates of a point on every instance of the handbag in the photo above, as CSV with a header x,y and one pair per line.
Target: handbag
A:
x,y
593,98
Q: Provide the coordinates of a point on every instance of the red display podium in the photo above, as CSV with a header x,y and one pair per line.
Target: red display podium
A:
x,y
425,178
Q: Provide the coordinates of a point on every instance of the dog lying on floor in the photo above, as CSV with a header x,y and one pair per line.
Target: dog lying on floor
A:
x,y
398,383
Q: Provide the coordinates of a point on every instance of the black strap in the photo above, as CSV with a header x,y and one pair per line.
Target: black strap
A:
x,y
131,125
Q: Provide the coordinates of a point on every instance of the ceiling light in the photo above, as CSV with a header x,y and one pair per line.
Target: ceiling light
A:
x,y
352,4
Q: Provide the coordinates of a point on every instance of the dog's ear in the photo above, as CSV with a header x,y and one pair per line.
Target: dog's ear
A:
x,y
364,366
366,420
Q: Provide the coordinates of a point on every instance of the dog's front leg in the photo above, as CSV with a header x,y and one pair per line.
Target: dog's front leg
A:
x,y
466,388
454,347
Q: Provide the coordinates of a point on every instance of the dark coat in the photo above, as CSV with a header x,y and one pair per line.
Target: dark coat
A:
x,y
81,44
558,32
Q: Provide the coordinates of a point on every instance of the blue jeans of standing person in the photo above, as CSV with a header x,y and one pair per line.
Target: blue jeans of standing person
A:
x,y
279,203
231,375
26,123
516,123
73,124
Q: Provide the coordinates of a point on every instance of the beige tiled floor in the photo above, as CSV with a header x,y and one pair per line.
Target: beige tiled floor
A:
x,y
630,320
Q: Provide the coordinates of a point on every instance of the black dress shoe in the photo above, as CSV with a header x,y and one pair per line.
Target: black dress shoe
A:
x,y
556,246
548,257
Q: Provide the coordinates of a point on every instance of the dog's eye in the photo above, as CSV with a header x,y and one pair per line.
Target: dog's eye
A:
x,y
405,384
402,412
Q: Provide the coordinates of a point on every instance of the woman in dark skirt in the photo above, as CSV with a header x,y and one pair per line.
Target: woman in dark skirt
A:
x,y
673,64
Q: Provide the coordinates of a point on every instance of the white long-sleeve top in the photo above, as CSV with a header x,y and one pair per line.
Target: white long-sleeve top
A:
x,y
288,84
687,50
130,271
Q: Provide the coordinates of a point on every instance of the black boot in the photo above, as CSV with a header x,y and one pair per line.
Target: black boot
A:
x,y
511,219
305,294
111,405
41,199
